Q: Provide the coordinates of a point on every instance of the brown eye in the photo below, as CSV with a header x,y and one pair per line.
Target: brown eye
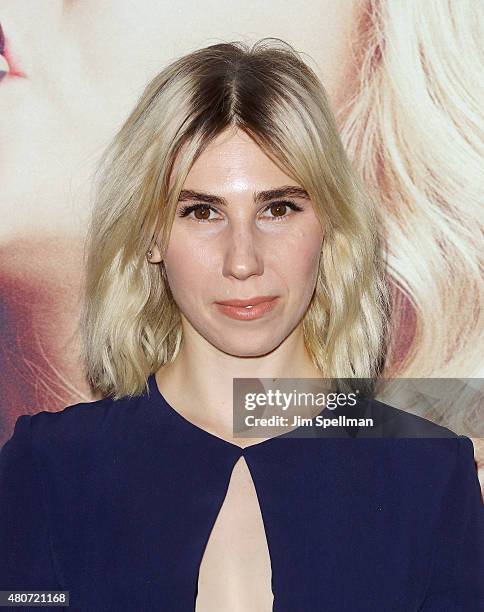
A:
x,y
278,210
202,213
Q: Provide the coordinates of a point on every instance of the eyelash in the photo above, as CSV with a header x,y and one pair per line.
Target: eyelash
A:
x,y
186,210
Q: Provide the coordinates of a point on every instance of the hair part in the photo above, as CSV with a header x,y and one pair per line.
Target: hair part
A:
x,y
130,323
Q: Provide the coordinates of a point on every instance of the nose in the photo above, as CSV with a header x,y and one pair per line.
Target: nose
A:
x,y
243,256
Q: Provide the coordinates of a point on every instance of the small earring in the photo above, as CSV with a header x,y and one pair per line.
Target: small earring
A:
x,y
150,254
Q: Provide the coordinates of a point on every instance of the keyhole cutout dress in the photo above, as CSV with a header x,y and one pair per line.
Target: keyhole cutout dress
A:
x,y
129,506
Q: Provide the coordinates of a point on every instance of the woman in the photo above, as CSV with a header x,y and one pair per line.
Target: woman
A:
x,y
380,61
229,183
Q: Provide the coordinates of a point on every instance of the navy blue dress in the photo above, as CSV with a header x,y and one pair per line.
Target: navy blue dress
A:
x,y
114,501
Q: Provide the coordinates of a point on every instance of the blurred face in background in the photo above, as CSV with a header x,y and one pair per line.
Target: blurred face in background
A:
x,y
70,83
65,88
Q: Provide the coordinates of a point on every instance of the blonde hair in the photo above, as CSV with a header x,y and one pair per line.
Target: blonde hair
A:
x,y
413,130
130,324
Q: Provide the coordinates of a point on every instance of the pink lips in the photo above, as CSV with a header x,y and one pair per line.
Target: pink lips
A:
x,y
246,310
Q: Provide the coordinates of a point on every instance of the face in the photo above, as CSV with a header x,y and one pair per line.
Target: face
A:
x,y
234,246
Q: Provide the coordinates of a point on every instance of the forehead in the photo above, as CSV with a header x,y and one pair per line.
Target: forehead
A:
x,y
234,162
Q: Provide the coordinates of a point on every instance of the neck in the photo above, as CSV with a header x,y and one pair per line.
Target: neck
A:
x,y
199,382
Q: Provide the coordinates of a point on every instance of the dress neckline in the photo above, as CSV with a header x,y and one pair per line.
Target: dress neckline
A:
x,y
180,419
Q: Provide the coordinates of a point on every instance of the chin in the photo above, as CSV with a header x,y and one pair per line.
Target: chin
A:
x,y
247,346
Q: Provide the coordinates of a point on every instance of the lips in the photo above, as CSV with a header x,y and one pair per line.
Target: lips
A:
x,y
248,302
248,310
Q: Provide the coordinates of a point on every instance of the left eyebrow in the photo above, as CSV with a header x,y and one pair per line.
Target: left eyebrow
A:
x,y
290,191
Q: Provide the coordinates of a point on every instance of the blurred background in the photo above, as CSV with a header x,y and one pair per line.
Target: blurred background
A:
x,y
405,81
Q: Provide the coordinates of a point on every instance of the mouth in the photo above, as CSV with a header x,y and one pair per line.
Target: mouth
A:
x,y
246,310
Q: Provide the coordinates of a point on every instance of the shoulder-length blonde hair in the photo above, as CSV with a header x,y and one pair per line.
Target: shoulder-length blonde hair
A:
x,y
130,324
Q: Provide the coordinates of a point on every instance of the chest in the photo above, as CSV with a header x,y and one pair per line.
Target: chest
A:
x,y
171,527
235,573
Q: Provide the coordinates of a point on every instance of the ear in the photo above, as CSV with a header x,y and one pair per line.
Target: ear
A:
x,y
155,254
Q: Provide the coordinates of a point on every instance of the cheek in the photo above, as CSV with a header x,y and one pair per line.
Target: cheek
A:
x,y
297,259
304,274
189,269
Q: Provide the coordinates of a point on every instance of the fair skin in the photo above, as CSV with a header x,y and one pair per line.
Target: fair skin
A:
x,y
89,56
234,251
242,250
69,86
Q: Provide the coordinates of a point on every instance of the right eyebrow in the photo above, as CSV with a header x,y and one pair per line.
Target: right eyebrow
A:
x,y
289,191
